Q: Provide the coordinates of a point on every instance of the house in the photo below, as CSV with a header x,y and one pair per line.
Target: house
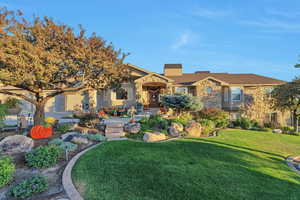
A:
x,y
220,90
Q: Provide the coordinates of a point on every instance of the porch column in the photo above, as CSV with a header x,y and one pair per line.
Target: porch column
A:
x,y
92,99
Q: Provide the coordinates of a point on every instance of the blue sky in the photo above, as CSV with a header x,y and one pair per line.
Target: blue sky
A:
x,y
236,36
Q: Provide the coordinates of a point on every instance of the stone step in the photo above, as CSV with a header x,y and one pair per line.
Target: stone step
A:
x,y
113,130
114,135
114,125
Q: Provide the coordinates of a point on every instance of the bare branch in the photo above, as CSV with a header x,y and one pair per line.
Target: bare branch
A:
x,y
18,95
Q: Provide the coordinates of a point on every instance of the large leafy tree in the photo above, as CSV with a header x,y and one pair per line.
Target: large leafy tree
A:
x,y
47,59
287,97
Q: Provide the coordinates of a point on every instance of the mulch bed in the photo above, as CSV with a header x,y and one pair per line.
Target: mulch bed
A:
x,y
54,174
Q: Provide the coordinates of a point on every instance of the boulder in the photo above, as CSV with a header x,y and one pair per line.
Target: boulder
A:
x,y
67,137
80,140
154,137
179,127
173,132
193,129
16,144
132,127
277,131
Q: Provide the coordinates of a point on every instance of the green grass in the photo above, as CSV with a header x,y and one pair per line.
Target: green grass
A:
x,y
236,165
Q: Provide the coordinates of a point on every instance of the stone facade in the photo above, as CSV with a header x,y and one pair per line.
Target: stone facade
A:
x,y
210,93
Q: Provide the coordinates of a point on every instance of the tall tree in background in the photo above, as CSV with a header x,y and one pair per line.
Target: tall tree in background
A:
x,y
48,59
287,97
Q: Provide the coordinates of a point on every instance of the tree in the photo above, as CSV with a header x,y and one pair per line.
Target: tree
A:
x,y
48,59
181,103
287,97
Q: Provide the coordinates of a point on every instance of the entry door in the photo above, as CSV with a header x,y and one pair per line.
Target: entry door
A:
x,y
60,103
154,98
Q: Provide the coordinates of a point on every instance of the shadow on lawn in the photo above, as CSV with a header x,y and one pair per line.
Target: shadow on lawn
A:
x,y
182,169
236,146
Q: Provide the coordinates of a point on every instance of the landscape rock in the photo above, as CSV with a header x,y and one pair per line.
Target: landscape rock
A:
x,y
154,137
279,131
132,128
179,127
193,129
16,144
173,132
80,140
67,137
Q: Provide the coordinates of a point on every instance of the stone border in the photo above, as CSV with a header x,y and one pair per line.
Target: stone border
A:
x,y
67,182
289,161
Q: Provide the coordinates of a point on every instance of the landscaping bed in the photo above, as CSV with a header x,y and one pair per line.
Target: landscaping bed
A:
x,y
236,165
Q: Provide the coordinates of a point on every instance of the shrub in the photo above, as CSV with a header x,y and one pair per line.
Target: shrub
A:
x,y
63,128
68,146
287,129
208,126
7,169
154,122
242,122
12,102
29,187
43,156
65,146
183,118
87,119
55,141
181,102
96,137
220,117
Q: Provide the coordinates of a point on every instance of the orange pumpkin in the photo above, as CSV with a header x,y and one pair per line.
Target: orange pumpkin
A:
x,y
40,132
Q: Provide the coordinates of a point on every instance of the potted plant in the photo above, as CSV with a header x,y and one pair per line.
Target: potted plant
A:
x,y
12,106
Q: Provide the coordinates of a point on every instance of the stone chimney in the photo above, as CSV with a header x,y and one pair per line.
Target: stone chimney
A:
x,y
173,69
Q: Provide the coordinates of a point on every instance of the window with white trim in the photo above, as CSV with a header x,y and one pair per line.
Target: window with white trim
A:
x,y
181,90
236,94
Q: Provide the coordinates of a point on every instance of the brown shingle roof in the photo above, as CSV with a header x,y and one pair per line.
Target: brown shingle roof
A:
x,y
252,79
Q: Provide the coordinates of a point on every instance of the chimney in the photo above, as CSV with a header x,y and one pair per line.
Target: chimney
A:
x,y
173,69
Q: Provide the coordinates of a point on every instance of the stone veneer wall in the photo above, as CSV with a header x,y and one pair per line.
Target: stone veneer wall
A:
x,y
210,100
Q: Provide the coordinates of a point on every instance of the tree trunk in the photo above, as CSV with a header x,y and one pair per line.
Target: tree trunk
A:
x,y
295,120
39,114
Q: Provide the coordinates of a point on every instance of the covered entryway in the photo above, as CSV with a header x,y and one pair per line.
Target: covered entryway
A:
x,y
153,91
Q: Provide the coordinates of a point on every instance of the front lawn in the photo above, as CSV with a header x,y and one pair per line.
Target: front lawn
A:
x,y
236,165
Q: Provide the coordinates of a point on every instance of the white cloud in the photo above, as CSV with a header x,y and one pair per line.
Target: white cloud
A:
x,y
182,41
281,13
208,13
273,25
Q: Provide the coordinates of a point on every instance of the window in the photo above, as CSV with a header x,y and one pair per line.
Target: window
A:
x,y
226,94
268,91
181,90
236,94
208,91
121,94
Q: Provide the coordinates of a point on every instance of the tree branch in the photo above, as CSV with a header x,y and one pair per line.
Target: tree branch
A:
x,y
67,90
18,95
